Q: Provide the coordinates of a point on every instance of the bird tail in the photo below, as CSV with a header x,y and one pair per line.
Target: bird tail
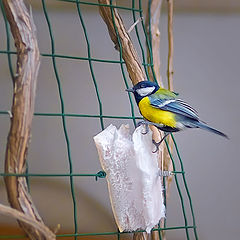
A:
x,y
210,129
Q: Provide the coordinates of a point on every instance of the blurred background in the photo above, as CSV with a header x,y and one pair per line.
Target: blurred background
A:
x,y
206,74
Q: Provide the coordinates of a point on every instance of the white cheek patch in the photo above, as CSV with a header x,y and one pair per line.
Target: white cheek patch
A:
x,y
145,91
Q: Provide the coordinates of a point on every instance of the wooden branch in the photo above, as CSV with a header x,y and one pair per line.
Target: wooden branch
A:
x,y
155,11
141,236
170,45
135,70
11,212
129,53
164,158
28,61
168,163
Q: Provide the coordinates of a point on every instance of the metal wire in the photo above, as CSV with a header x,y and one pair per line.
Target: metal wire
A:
x,y
136,13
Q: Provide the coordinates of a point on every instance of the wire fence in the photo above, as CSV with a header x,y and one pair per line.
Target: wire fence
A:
x,y
135,11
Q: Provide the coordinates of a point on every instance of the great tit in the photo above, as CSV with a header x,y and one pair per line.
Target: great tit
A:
x,y
163,109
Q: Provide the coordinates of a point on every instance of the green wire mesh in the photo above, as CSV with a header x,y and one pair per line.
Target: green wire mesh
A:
x,y
136,11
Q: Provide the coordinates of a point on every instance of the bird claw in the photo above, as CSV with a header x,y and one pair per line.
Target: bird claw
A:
x,y
140,123
157,144
146,129
146,124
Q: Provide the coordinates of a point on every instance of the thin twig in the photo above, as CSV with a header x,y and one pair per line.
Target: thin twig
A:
x,y
167,163
170,45
134,24
28,61
167,160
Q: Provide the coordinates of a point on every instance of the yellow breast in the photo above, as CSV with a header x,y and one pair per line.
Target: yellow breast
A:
x,y
156,115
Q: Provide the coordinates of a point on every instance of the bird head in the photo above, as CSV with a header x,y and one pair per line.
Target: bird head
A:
x,y
143,89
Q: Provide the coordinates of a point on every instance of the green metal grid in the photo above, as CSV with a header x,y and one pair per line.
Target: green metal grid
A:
x,y
136,11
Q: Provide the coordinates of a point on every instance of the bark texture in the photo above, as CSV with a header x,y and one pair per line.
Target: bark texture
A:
x,y
28,61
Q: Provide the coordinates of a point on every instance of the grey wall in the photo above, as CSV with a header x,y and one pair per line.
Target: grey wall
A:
x,y
206,63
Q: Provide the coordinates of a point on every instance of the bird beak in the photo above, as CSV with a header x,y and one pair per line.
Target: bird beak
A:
x,y
129,90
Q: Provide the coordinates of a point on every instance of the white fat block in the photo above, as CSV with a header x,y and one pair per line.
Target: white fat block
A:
x,y
134,184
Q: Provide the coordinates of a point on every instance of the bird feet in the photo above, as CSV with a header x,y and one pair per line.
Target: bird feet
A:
x,y
159,126
157,144
146,124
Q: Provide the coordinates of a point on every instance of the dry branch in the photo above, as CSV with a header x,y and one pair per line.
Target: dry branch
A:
x,y
167,160
155,36
134,67
155,6
152,25
129,53
155,10
24,34
170,45
10,212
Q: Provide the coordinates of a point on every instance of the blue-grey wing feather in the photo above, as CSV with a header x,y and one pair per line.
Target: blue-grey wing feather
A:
x,y
177,106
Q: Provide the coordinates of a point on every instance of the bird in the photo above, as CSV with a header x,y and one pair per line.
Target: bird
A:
x,y
163,109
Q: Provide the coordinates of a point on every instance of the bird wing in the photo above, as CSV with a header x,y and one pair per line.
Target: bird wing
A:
x,y
174,105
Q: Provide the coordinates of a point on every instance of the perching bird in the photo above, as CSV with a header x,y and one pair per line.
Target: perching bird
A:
x,y
163,109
